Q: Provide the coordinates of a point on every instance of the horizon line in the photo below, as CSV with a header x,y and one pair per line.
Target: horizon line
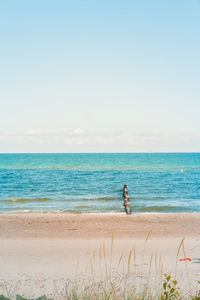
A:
x,y
142,152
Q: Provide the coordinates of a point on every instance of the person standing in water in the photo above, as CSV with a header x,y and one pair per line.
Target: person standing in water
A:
x,y
127,203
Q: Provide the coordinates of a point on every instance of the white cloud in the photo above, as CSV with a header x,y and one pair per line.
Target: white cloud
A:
x,y
77,131
113,141
33,132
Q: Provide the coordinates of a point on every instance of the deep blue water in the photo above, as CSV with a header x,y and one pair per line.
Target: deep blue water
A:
x,y
167,182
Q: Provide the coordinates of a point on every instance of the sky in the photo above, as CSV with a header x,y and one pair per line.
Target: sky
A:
x,y
99,76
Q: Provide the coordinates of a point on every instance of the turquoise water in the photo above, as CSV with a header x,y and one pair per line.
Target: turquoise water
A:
x,y
167,182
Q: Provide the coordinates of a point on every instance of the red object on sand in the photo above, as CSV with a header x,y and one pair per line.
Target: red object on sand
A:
x,y
184,259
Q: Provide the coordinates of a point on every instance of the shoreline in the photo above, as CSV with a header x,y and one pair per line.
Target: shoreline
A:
x,y
89,213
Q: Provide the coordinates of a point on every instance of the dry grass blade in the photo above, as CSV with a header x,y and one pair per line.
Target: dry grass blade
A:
x,y
92,270
112,243
129,261
160,261
143,253
177,255
120,259
100,260
111,253
179,248
134,257
155,270
150,263
105,261
77,266
94,254
186,267
148,235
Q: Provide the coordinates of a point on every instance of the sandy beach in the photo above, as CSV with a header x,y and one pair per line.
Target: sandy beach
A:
x,y
39,249
94,226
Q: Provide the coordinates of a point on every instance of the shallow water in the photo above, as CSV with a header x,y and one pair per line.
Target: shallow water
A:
x,y
167,182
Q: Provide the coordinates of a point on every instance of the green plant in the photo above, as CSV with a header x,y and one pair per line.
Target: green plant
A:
x,y
40,298
170,290
3,298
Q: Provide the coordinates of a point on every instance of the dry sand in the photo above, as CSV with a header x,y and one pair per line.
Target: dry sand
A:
x,y
38,250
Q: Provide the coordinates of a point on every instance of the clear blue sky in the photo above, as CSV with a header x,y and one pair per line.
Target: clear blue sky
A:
x,y
99,76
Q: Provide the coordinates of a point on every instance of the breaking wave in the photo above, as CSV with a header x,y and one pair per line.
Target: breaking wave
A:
x,y
24,200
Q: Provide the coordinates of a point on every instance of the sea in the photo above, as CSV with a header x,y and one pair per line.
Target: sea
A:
x,y
93,183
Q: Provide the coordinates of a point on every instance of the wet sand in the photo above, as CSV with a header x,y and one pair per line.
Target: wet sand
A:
x,y
62,225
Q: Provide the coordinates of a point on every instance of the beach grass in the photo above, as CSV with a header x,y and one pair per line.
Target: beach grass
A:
x,y
112,290
122,281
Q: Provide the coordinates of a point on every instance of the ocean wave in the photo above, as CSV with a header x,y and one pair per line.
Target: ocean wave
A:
x,y
24,200
162,209
149,210
102,199
79,207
